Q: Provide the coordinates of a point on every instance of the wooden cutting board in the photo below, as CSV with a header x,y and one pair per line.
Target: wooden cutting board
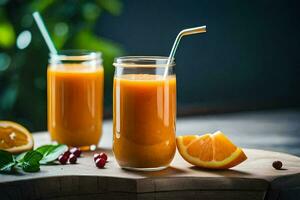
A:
x,y
253,179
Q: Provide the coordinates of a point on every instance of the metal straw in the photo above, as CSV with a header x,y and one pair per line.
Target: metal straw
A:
x,y
189,31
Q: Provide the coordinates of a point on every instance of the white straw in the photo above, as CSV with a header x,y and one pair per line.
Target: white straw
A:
x,y
39,21
189,31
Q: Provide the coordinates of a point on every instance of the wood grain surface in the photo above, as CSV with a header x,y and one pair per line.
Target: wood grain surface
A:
x,y
253,179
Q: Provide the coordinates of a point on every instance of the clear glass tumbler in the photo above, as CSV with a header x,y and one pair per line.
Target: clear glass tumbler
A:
x,y
144,112
75,97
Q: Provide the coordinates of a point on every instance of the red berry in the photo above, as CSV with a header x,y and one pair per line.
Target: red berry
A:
x,y
72,159
96,156
104,156
62,159
100,162
101,155
66,154
76,151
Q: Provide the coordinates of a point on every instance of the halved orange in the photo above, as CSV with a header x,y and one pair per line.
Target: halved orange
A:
x,y
213,151
14,137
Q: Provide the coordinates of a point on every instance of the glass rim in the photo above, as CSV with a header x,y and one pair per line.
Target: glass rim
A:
x,y
75,55
143,61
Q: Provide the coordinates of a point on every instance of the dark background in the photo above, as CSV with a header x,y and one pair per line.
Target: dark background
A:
x,y
247,60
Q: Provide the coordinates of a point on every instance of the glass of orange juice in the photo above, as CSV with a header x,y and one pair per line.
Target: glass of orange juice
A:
x,y
144,112
75,98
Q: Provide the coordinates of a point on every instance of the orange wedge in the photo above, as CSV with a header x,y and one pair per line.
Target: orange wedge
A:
x,y
214,151
14,137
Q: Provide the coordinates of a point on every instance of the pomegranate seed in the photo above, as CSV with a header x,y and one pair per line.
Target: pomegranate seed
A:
x,y
100,162
66,154
104,156
72,159
62,159
76,151
101,155
96,156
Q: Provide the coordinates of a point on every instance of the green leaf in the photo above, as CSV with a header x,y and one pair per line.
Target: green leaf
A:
x,y
86,40
90,11
7,161
30,167
20,157
51,152
7,35
32,157
8,168
30,161
112,6
44,149
41,5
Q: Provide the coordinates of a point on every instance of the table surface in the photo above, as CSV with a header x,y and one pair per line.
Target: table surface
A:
x,y
275,130
253,179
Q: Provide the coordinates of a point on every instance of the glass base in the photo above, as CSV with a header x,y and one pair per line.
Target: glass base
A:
x,y
92,147
146,169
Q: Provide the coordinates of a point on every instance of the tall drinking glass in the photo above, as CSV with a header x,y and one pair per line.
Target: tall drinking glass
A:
x,y
75,98
144,112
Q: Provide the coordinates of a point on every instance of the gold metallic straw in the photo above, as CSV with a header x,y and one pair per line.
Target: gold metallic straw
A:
x,y
189,31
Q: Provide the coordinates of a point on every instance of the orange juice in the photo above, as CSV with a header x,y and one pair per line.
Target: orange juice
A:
x,y
75,104
144,120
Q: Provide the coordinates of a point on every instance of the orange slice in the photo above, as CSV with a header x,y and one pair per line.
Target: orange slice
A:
x,y
14,137
213,151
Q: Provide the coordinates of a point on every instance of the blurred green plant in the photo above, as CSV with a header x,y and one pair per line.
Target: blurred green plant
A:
x,y
24,55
